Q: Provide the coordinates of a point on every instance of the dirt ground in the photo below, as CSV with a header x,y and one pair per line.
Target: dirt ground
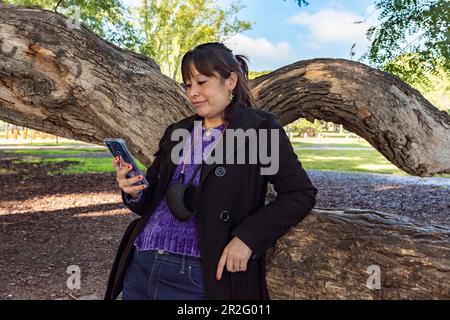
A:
x,y
48,223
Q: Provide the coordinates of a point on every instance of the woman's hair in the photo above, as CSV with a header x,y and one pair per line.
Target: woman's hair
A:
x,y
216,57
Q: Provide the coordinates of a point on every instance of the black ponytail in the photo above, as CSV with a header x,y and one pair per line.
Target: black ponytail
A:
x,y
243,63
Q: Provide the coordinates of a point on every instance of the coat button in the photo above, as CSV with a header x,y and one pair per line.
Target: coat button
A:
x,y
220,171
225,216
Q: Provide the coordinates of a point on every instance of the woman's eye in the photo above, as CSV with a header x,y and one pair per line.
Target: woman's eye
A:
x,y
187,86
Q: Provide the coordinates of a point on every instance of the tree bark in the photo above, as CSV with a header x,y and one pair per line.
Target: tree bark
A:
x,y
70,83
336,254
393,117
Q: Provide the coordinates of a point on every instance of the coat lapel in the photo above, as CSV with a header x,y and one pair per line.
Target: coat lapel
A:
x,y
241,117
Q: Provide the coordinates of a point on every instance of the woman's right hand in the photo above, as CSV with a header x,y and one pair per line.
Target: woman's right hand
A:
x,y
126,184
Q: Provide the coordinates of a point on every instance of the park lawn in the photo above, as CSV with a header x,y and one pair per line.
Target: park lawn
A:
x,y
361,161
61,143
51,144
329,145
36,152
350,160
337,160
345,160
82,165
311,142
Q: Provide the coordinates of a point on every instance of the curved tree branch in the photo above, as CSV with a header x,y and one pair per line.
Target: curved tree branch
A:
x,y
73,84
393,117
360,254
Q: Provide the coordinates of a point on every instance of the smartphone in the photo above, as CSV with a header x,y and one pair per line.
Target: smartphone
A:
x,y
117,147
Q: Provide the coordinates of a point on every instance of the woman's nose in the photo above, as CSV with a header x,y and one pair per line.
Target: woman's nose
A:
x,y
193,92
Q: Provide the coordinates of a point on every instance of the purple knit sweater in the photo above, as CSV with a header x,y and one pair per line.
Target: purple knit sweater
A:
x,y
163,230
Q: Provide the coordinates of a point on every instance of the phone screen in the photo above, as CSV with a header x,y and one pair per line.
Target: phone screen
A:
x,y
117,147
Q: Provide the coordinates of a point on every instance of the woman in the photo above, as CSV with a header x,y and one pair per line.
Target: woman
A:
x,y
218,252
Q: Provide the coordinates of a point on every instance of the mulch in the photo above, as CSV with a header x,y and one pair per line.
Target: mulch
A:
x,y
49,223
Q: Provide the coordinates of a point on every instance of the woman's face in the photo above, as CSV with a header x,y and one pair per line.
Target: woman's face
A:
x,y
209,95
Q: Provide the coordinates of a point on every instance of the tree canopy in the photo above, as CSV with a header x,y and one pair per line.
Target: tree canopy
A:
x,y
107,18
411,39
169,28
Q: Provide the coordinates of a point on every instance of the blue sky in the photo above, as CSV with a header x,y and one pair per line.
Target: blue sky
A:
x,y
283,33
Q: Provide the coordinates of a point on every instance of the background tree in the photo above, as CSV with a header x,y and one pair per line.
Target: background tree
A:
x,y
412,39
256,74
301,126
172,27
109,19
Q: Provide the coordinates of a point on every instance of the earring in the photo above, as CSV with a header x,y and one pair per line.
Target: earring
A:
x,y
230,96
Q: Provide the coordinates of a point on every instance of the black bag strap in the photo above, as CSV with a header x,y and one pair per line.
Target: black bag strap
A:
x,y
195,172
181,179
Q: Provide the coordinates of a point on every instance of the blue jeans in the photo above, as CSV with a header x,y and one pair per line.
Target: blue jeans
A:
x,y
161,275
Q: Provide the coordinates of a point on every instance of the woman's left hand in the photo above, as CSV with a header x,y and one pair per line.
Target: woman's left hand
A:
x,y
234,256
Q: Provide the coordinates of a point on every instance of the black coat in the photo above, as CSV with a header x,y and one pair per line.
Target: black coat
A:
x,y
231,203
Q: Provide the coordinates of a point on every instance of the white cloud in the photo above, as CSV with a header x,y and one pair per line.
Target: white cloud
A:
x,y
263,54
258,47
330,25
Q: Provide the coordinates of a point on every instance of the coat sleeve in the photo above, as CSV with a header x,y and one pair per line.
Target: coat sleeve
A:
x,y
142,202
296,196
129,200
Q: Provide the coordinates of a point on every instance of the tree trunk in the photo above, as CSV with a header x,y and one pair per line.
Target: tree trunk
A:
x,y
393,117
360,254
70,83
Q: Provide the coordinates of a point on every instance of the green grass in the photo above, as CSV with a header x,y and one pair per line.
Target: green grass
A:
x,y
52,144
347,160
350,160
34,152
330,145
83,165
338,160
68,143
